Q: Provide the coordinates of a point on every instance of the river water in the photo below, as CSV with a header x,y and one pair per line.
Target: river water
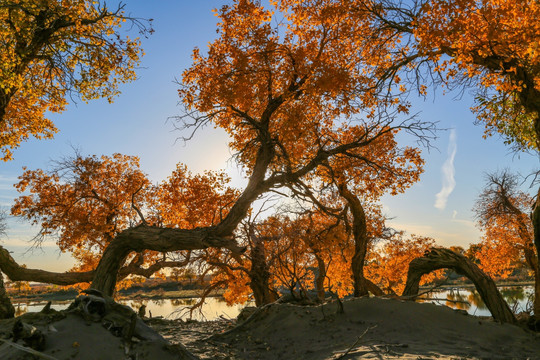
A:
x,y
518,297
212,309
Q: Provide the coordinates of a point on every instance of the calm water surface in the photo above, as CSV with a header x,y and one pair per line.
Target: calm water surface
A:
x,y
212,309
518,297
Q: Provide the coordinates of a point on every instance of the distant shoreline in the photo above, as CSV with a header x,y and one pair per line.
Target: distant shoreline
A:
x,y
68,295
471,286
140,295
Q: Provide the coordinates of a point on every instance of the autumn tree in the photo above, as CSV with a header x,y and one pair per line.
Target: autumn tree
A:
x,y
292,252
52,50
360,180
328,241
85,202
252,272
276,257
187,201
313,251
502,212
299,252
490,47
387,265
282,91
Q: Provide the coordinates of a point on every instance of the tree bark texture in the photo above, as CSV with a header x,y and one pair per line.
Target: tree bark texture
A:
x,y
7,310
319,279
372,287
360,235
260,275
535,218
440,258
532,261
144,237
15,272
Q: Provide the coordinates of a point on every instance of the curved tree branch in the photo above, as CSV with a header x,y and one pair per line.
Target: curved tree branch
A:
x,y
440,258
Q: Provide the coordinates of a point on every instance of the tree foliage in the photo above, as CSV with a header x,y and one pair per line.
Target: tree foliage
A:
x,y
53,50
502,212
300,250
295,96
85,202
496,44
387,265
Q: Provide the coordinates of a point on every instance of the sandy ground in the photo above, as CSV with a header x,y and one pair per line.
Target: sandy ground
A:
x,y
93,330
368,329
373,328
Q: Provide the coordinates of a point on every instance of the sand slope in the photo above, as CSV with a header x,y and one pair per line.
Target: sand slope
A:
x,y
68,335
373,328
377,328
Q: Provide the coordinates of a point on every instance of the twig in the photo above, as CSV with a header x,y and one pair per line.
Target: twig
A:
x,y
411,297
355,343
340,309
29,350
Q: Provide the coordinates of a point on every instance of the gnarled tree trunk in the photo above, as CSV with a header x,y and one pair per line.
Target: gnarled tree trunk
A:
x,y
260,275
532,261
6,308
15,272
535,218
319,279
372,287
440,258
145,237
360,235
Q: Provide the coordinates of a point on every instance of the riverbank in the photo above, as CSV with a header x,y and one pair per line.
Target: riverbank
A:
x,y
472,286
368,328
363,328
67,295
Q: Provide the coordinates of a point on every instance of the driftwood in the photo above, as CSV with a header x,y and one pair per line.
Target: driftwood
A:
x,y
440,258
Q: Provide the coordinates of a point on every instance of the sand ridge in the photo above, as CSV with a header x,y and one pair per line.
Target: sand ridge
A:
x,y
375,328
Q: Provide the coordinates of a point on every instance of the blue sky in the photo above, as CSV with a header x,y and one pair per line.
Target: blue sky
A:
x,y
137,124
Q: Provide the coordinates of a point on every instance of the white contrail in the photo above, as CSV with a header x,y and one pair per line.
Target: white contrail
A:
x,y
448,181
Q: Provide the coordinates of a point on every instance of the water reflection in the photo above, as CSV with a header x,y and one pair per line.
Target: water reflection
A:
x,y
518,299
212,309
470,300
184,302
24,307
457,300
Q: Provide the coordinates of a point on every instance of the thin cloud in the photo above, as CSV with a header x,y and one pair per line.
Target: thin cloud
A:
x,y
448,170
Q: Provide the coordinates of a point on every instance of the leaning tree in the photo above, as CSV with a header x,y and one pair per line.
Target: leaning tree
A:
x,y
85,202
490,47
292,96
